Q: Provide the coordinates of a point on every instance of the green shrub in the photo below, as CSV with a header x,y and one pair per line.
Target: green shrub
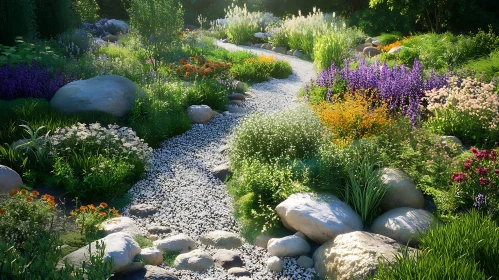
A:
x,y
17,18
293,133
389,38
467,248
209,92
486,68
53,17
281,69
158,23
335,47
22,52
86,10
258,187
252,70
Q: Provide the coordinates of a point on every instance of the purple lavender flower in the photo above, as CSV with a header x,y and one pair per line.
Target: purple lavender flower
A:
x,y
30,80
480,202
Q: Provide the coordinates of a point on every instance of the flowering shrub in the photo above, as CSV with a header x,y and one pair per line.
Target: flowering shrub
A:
x,y
200,67
90,217
477,182
356,116
30,80
465,108
95,161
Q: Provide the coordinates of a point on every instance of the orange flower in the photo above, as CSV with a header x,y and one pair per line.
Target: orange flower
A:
x,y
29,199
92,207
24,192
35,193
199,59
83,208
2,211
14,192
102,214
116,215
187,74
103,205
72,213
183,61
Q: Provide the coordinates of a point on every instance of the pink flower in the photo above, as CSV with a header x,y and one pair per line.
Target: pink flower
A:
x,y
482,171
466,166
484,181
474,150
458,177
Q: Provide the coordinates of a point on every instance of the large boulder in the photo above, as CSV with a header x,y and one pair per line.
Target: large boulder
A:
x,y
289,246
196,260
200,114
121,224
119,246
403,224
109,93
354,255
401,190
177,243
9,180
320,217
116,26
222,239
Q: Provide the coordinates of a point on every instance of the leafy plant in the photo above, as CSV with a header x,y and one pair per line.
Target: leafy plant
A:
x,y
89,217
86,10
335,47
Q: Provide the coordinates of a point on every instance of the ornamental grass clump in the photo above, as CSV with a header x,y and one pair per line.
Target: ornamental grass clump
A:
x,y
335,46
241,24
95,161
466,108
476,184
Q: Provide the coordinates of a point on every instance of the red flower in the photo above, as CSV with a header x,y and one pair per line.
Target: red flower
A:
x,y
482,171
466,166
474,150
493,155
2,211
484,181
35,193
13,192
458,177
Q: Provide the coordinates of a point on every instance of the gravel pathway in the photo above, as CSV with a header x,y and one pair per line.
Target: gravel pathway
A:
x,y
191,200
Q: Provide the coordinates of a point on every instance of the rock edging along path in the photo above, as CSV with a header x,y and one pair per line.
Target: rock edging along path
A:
x,y
190,199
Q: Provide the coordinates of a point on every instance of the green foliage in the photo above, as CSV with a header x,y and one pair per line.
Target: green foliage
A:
x,y
486,67
23,52
335,47
89,218
158,23
389,38
368,20
242,24
53,17
208,92
169,257
258,187
143,241
117,9
467,248
86,10
75,42
281,69
252,70
17,18
293,133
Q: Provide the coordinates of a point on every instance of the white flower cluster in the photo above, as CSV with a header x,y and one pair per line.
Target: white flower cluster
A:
x,y
120,141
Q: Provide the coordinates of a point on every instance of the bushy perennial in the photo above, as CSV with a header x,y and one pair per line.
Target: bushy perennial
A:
x,y
242,24
467,96
119,141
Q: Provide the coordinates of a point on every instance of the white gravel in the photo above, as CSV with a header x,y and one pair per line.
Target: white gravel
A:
x,y
191,200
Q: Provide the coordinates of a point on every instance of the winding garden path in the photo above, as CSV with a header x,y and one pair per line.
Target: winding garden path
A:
x,y
191,200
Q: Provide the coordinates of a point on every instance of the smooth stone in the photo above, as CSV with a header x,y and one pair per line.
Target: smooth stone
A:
x,y
376,43
221,239
110,38
452,140
405,225
262,241
227,259
289,246
152,256
396,50
237,110
9,180
149,272
401,190
305,262
177,243
200,114
196,260
158,229
221,172
236,102
237,96
275,264
239,86
121,224
238,272
279,50
143,210
371,51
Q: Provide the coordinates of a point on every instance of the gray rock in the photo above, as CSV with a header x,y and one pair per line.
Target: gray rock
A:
x,y
196,260
143,210
152,256
271,240
150,272
224,149
131,268
237,96
226,40
227,259
110,38
354,255
396,50
305,262
405,225
121,224
9,180
177,243
110,93
239,86
221,172
236,102
301,235
153,237
279,50
275,264
238,272
236,110
370,40
319,217
119,246
200,114
371,51
261,35
376,43
361,47
262,241
298,54
289,246
267,46
221,239
158,229
290,52
115,26
401,190
257,45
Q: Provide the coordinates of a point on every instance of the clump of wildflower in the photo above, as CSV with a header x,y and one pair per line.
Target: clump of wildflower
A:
x,y
89,217
197,66
480,202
